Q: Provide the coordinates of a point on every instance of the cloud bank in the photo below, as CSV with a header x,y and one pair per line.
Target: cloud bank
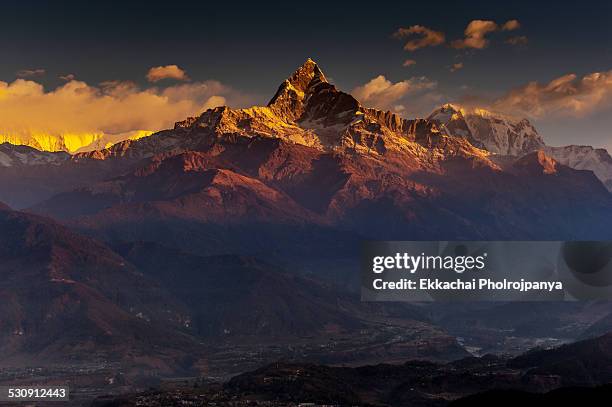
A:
x,y
114,107
565,96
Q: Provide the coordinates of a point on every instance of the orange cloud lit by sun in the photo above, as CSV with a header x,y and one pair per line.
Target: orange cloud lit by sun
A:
x,y
77,115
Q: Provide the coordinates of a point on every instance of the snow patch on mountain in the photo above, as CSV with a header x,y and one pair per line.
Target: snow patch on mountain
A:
x,y
495,132
597,160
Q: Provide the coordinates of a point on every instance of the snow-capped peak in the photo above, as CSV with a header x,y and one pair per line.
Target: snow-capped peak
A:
x,y
503,134
498,133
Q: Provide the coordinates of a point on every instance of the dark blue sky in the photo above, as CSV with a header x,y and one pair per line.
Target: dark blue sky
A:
x,y
253,46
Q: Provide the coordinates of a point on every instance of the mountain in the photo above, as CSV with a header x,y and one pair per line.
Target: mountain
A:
x,y
66,298
493,132
260,179
584,363
240,300
307,113
267,183
69,300
240,229
21,156
187,180
315,155
504,135
28,175
301,181
489,380
265,301
306,110
597,160
511,328
52,142
69,142
107,140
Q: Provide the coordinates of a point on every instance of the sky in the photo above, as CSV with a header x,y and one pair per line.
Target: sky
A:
x,y
115,67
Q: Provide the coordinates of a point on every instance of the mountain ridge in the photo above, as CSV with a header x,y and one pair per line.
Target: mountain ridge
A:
x,y
505,135
308,110
319,157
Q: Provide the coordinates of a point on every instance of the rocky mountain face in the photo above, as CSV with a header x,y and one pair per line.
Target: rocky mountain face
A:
x,y
504,135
